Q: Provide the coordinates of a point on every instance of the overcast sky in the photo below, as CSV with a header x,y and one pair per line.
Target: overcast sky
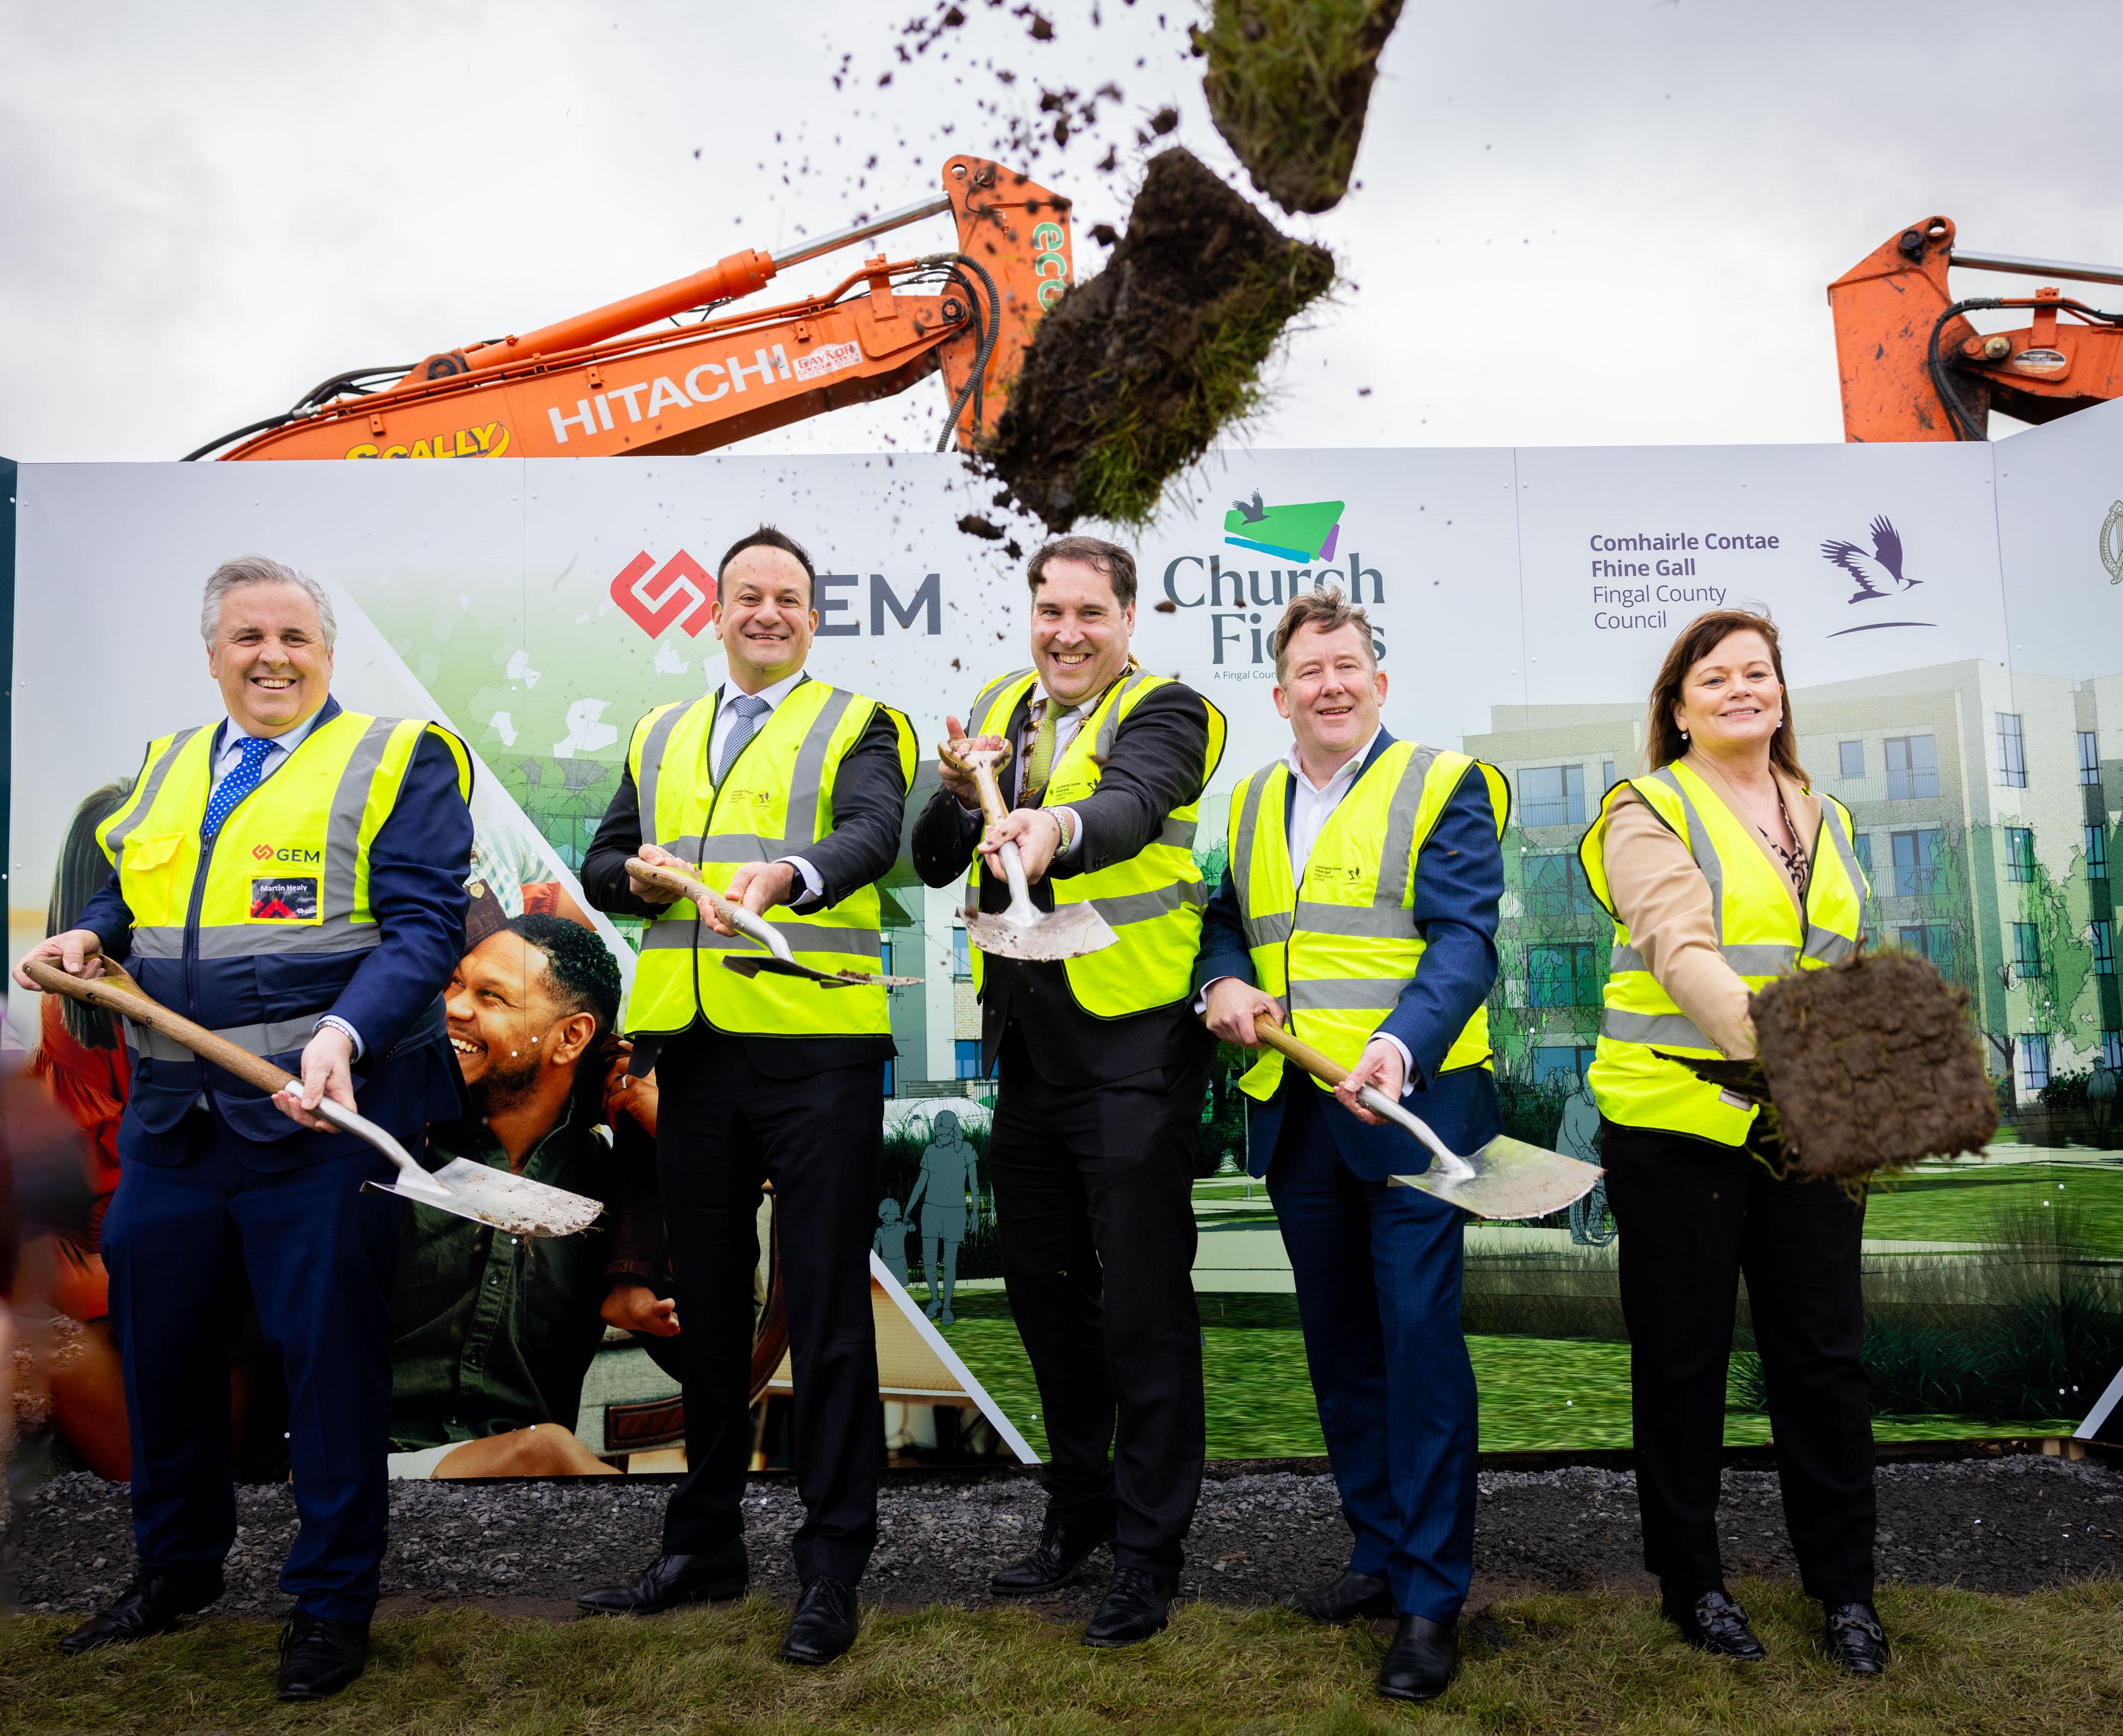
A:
x,y
1579,221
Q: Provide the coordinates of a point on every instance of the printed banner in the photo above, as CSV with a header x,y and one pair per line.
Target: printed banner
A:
x,y
1952,619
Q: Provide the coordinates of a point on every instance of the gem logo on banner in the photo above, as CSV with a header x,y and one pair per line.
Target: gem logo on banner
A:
x,y
681,590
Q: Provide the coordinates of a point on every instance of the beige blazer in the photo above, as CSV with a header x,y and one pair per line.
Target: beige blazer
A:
x,y
1662,898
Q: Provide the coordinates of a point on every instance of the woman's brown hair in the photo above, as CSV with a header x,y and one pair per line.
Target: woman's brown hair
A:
x,y
1665,743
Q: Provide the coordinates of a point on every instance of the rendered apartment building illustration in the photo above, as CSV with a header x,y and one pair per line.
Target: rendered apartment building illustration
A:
x,y
1986,802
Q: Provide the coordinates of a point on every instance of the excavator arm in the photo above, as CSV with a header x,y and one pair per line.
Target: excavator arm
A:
x,y
617,381
1913,368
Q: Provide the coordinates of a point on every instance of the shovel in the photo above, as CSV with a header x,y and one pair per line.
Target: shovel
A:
x,y
1507,1178
485,1194
1023,930
781,962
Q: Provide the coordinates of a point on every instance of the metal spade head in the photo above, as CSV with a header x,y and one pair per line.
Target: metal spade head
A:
x,y
1033,934
478,1191
1507,1178
756,963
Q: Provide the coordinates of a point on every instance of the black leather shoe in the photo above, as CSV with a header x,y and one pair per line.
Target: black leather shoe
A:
x,y
1352,1597
1422,1660
672,1581
318,1658
1065,1543
1856,1640
1715,1624
150,1605
1138,1604
824,1624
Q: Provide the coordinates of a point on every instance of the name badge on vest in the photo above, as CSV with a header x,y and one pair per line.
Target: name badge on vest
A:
x,y
283,899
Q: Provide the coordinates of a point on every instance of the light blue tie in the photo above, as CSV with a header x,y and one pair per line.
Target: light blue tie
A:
x,y
749,711
237,784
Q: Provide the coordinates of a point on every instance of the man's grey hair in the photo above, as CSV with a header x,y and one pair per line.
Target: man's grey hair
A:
x,y
257,569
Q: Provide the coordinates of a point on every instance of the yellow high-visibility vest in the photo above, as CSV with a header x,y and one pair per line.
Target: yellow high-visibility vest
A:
x,y
286,878
1153,901
776,800
1760,934
1339,950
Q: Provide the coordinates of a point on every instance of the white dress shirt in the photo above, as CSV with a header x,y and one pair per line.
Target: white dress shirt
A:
x,y
233,736
726,719
1310,806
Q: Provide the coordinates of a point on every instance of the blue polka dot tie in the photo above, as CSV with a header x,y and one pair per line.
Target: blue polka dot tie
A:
x,y
237,785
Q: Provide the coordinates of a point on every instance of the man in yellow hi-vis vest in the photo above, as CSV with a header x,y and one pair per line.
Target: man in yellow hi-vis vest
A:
x,y
784,794
291,877
1103,1068
1360,900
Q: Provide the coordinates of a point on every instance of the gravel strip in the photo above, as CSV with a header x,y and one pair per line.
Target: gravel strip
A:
x,y
2000,1525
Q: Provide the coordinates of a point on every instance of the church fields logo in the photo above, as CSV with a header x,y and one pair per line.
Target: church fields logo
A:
x,y
1244,603
1880,574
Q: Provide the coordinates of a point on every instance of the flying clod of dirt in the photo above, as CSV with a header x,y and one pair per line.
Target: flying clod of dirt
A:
x,y
1871,1066
1134,373
1288,84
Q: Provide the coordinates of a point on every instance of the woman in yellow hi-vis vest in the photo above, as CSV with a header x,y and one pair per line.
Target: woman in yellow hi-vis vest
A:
x,y
786,794
1723,870
1103,1068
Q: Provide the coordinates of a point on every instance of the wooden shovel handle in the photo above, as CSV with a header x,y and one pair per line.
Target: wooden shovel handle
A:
x,y
1304,1054
981,763
115,992
680,882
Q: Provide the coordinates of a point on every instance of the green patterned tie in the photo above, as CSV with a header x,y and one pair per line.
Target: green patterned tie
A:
x,y
1039,761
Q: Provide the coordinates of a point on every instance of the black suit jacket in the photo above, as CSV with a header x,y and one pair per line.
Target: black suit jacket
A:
x,y
1157,765
869,800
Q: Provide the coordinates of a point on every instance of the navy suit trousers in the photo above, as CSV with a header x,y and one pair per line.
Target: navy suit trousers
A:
x,y
1378,1271
185,1245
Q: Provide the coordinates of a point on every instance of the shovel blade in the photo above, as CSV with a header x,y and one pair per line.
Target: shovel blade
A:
x,y
756,964
1068,932
492,1196
1512,1180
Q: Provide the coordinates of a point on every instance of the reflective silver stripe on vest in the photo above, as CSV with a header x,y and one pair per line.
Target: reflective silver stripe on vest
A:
x,y
343,834
977,712
671,933
1347,993
1700,847
686,848
806,783
1102,748
1661,1030
1828,946
151,789
1395,860
280,1037
1260,931
1765,960
652,761
1358,922
249,939
1177,835
742,847
1146,907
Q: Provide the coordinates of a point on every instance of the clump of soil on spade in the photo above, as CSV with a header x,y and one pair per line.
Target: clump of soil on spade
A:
x,y
1132,374
1289,83
1871,1065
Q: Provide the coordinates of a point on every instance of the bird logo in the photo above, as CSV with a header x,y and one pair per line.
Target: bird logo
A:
x,y
1873,572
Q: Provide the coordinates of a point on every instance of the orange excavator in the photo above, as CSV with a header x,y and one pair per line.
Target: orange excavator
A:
x,y
666,371
1913,368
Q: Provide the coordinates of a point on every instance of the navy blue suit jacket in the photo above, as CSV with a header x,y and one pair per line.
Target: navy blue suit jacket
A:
x,y
407,1075
1458,883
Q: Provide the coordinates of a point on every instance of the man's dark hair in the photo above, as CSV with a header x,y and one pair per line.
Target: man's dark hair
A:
x,y
1109,558
767,537
584,975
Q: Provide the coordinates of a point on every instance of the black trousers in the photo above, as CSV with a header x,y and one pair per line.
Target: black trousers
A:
x,y
1094,1209
1692,1218
722,1127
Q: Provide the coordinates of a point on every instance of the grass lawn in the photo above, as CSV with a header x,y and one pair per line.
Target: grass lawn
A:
x,y
1964,1206
2051,1664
